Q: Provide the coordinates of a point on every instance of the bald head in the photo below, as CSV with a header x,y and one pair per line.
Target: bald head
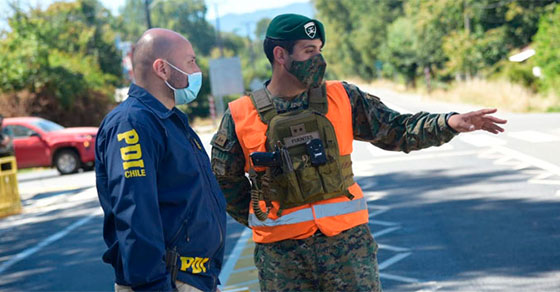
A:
x,y
156,43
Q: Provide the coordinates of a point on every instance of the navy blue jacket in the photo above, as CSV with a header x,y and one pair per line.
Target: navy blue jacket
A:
x,y
158,193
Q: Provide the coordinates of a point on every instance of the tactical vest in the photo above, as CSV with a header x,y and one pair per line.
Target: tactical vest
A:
x,y
298,180
302,196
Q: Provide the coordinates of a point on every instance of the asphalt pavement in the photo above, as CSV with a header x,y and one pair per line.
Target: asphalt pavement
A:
x,y
478,214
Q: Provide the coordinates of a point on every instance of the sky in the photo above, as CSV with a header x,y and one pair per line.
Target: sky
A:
x,y
223,6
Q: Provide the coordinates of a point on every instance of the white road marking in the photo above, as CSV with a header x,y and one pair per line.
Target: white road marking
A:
x,y
30,251
544,182
392,248
368,184
378,152
245,269
434,284
249,256
66,205
552,168
489,154
518,160
10,225
481,140
511,161
398,278
372,196
380,210
539,174
385,231
410,157
234,255
384,223
393,260
240,286
521,166
444,147
534,136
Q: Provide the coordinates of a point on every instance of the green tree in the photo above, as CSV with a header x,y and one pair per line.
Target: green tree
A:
x,y
355,33
186,17
64,58
260,29
401,49
547,47
463,37
467,37
432,21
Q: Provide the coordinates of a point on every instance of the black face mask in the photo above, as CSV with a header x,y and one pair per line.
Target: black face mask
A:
x,y
309,72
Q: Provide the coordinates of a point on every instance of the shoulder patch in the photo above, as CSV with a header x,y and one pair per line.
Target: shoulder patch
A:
x,y
220,139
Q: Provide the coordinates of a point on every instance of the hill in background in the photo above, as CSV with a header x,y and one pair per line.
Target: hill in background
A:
x,y
237,23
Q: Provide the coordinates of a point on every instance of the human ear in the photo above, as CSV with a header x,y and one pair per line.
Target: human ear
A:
x,y
160,69
280,55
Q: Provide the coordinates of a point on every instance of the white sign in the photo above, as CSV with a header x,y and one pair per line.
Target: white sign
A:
x,y
225,76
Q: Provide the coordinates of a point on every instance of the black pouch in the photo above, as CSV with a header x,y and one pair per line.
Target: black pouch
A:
x,y
171,263
316,152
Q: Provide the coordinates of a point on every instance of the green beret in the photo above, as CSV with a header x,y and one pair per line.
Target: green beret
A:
x,y
295,27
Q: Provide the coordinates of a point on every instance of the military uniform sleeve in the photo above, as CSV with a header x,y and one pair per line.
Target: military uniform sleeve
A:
x,y
228,163
376,123
130,153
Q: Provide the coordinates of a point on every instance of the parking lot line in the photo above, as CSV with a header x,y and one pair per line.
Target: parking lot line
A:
x,y
234,255
30,251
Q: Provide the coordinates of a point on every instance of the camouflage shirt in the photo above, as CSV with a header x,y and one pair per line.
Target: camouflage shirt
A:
x,y
372,121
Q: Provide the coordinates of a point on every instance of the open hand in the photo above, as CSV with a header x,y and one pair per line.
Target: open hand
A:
x,y
477,120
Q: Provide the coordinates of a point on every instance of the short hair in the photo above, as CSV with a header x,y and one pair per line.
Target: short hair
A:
x,y
269,44
147,50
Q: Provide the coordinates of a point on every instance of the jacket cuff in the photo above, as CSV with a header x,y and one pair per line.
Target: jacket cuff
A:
x,y
447,116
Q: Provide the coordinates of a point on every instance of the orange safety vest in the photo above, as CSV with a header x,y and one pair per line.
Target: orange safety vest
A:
x,y
331,216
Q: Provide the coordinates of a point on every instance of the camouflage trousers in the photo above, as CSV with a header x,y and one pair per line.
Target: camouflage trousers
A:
x,y
345,262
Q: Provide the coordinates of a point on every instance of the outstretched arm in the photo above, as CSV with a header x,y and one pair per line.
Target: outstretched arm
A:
x,y
388,129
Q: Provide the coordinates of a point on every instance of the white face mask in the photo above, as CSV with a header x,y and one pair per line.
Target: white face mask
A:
x,y
189,93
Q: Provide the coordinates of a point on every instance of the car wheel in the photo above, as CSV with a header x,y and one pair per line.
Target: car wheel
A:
x,y
67,161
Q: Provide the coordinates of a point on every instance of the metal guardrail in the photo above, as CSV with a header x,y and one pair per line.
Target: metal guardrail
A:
x,y
10,202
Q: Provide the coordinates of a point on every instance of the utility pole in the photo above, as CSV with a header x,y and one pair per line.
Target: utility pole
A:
x,y
218,31
466,18
467,22
251,53
147,8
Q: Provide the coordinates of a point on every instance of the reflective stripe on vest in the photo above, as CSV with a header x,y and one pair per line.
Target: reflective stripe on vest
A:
x,y
303,215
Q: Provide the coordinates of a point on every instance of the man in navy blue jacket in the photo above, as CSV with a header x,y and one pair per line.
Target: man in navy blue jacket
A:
x,y
164,222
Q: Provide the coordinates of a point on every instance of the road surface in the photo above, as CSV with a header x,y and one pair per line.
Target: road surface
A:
x,y
478,214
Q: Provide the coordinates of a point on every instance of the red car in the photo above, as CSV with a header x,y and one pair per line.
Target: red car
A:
x,y
39,142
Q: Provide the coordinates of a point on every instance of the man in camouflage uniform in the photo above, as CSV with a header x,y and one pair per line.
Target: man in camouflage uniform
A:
x,y
347,261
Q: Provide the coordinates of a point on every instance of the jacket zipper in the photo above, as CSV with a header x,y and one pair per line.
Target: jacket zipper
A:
x,y
193,140
196,144
174,238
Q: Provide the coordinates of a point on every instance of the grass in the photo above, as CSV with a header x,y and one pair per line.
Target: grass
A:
x,y
502,94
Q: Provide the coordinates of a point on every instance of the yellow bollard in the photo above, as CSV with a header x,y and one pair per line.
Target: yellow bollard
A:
x,y
10,202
